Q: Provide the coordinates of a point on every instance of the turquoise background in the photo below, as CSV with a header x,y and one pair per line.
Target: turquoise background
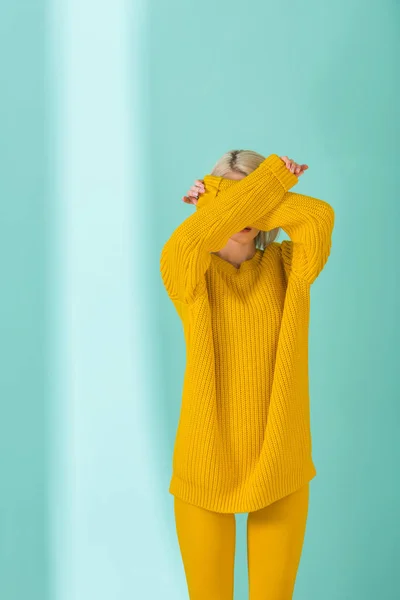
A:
x,y
108,112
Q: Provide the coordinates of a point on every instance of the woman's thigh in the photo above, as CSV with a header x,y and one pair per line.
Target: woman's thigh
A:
x,y
207,544
275,536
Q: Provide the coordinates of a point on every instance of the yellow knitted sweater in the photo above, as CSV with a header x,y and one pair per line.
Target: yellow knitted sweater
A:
x,y
243,439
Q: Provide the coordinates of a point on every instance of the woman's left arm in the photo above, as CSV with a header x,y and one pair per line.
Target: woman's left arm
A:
x,y
309,223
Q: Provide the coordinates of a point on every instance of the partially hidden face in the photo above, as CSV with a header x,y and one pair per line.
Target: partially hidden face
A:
x,y
248,233
245,235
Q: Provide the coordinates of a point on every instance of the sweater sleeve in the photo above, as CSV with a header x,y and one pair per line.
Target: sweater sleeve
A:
x,y
185,256
309,223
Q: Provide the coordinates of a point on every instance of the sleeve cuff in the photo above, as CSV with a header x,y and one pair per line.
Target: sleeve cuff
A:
x,y
279,169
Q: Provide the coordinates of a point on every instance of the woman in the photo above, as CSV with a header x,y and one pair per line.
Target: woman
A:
x,y
243,441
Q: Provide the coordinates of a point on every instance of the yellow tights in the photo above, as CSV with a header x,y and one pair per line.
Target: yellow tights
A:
x,y
275,537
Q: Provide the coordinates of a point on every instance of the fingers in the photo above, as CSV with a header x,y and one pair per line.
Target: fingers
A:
x,y
299,169
294,167
194,192
198,187
302,169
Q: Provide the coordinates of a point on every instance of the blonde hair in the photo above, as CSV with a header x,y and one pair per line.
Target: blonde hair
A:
x,y
244,162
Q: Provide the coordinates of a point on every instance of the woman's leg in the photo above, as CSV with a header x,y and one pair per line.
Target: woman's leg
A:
x,y
275,537
207,544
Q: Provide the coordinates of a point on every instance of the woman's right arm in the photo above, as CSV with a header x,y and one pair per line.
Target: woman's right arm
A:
x,y
185,256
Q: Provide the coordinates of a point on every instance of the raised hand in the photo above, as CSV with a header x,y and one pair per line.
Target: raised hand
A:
x,y
194,192
294,167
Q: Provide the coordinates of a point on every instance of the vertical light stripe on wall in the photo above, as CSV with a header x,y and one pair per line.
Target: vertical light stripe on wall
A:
x,y
107,516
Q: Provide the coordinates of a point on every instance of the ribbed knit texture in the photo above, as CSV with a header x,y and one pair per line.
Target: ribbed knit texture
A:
x,y
243,438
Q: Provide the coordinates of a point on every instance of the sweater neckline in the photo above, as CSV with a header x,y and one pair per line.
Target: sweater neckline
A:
x,y
247,265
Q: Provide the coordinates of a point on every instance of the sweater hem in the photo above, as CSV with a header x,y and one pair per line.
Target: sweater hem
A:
x,y
259,496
